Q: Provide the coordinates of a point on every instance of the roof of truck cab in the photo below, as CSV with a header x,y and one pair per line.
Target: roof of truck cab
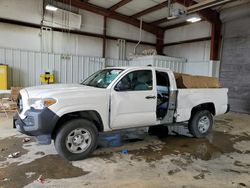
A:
x,y
139,67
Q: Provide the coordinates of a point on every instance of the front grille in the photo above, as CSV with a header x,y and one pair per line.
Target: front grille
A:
x,y
19,103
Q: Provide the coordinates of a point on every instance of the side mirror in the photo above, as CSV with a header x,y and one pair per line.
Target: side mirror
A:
x,y
122,86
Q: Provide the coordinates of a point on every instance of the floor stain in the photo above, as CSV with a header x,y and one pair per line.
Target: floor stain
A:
x,y
208,148
10,145
241,164
50,166
216,144
199,176
174,171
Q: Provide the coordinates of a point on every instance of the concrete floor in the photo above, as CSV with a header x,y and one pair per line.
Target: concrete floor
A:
x,y
221,160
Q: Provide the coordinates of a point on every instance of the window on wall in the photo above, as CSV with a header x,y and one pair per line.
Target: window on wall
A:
x,y
138,80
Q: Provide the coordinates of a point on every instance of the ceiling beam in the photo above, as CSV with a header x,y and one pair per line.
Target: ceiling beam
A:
x,y
119,4
160,21
177,25
188,41
151,9
114,15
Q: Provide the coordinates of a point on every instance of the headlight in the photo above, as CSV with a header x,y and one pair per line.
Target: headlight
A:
x,y
41,103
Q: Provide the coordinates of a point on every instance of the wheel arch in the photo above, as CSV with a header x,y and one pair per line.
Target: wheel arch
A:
x,y
204,106
90,115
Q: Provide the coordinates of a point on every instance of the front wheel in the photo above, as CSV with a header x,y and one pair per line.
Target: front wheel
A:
x,y
200,124
76,139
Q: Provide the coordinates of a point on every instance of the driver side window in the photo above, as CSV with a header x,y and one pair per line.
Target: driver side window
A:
x,y
136,81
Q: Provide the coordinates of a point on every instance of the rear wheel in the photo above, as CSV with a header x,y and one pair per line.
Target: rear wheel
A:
x,y
201,123
76,139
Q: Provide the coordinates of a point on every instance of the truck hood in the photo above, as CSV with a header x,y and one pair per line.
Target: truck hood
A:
x,y
54,90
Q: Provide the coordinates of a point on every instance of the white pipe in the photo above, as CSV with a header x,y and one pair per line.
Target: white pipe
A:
x,y
206,4
139,37
169,9
124,49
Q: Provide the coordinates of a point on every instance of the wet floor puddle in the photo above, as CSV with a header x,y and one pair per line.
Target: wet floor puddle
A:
x,y
216,144
50,166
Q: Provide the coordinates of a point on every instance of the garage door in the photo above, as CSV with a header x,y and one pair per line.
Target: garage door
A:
x,y
235,67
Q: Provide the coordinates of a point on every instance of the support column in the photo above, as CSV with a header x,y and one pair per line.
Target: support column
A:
x,y
104,37
160,42
215,41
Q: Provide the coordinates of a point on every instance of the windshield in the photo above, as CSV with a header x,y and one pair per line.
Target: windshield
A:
x,y
102,78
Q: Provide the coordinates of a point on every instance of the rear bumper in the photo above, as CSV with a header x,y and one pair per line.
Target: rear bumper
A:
x,y
39,123
228,108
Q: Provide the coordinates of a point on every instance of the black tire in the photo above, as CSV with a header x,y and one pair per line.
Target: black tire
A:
x,y
193,125
64,133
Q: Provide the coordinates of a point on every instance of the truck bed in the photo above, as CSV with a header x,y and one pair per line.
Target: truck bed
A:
x,y
189,98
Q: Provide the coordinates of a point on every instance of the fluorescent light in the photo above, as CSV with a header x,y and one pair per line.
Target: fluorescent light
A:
x,y
50,7
194,19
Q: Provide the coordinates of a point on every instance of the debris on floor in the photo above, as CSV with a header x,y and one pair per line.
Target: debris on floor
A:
x,y
199,176
29,174
125,151
14,155
25,140
41,179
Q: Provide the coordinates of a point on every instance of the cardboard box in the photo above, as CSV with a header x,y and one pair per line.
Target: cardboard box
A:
x,y
15,92
190,81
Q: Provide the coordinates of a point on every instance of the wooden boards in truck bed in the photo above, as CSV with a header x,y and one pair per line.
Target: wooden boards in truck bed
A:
x,y
191,81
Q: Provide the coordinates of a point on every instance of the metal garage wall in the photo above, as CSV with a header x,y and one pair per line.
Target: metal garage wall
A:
x,y
235,66
115,62
204,68
175,64
25,67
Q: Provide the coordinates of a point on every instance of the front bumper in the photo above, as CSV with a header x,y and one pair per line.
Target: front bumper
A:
x,y
39,123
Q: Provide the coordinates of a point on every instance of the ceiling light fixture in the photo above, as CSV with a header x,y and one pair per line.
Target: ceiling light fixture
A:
x,y
194,19
51,8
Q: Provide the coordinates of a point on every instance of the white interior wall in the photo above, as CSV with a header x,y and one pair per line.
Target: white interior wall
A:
x,y
196,53
188,32
112,49
120,29
13,36
193,52
22,10
30,39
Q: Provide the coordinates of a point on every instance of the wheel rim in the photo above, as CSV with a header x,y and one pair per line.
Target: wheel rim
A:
x,y
78,140
203,124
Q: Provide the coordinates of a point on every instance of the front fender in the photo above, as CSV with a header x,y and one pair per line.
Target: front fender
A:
x,y
101,110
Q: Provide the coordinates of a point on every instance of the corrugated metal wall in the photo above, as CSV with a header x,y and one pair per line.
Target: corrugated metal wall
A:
x,y
25,67
235,60
204,68
175,64
116,62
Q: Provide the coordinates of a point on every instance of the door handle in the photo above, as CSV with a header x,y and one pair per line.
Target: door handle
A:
x,y
150,97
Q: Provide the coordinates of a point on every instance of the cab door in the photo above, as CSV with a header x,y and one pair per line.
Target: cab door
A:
x,y
133,100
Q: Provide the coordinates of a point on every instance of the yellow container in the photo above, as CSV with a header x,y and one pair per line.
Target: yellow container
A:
x,y
47,78
3,77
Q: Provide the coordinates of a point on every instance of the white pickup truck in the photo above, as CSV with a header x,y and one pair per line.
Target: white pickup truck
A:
x,y
114,99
